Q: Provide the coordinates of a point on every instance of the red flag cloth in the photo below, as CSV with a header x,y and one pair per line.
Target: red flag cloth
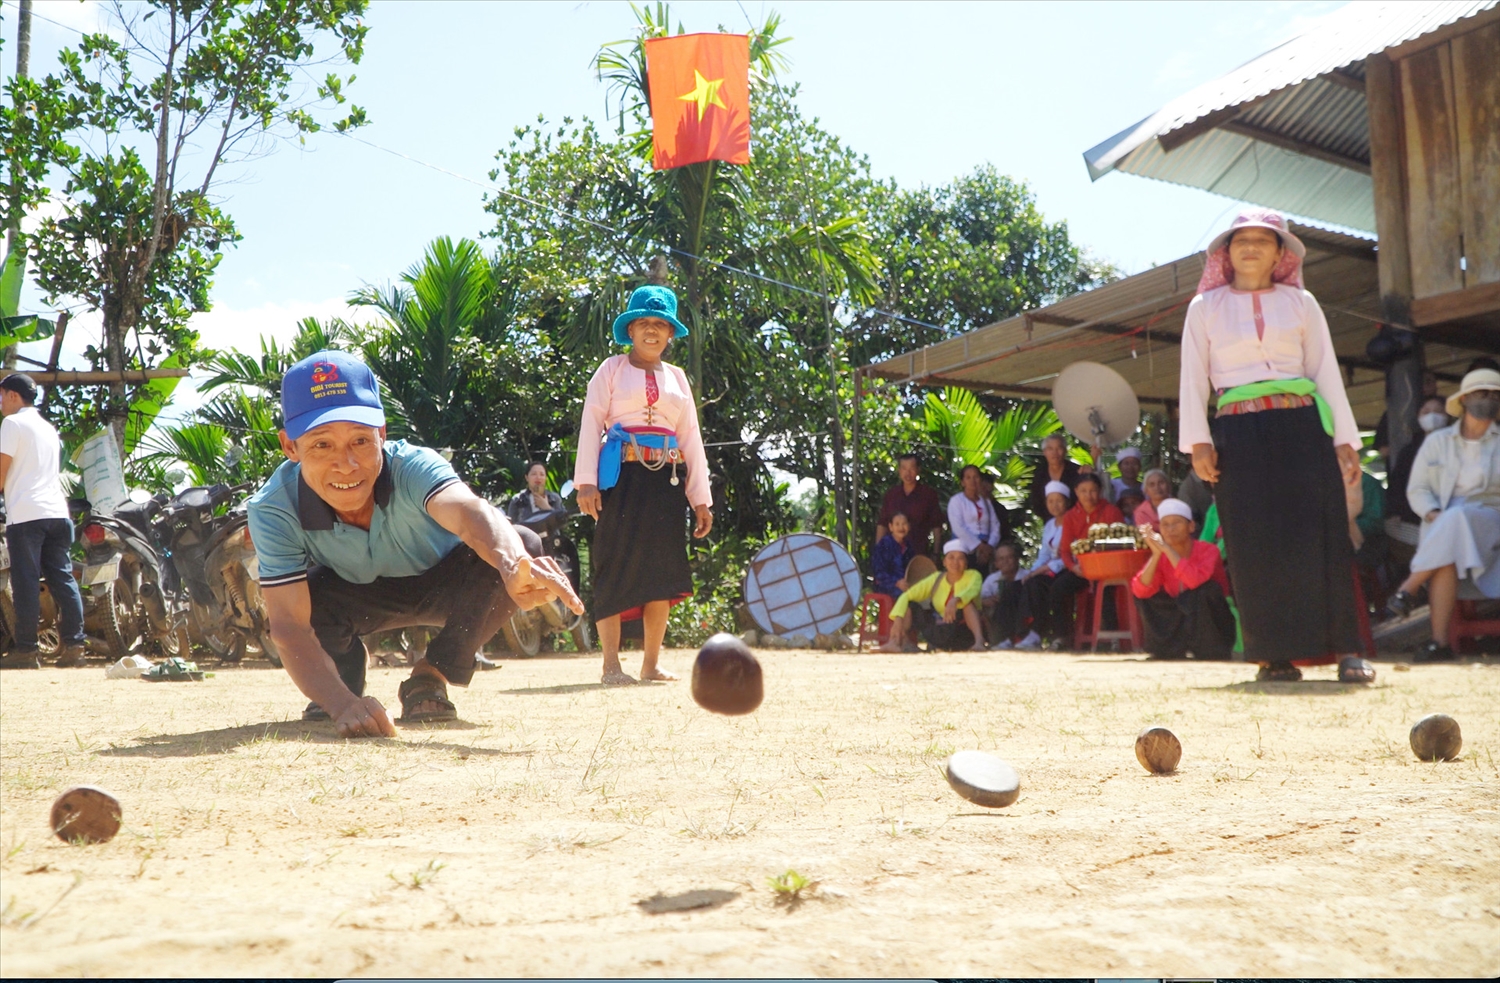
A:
x,y
700,98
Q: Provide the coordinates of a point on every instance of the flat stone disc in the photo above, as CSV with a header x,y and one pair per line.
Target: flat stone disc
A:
x,y
86,814
1158,750
1436,737
983,779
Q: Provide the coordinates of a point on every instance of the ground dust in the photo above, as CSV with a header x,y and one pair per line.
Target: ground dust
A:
x,y
561,829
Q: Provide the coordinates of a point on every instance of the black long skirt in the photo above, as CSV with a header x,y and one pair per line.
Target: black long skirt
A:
x,y
640,542
1286,535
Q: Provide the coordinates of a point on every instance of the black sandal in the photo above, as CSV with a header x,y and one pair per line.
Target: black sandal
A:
x,y
1353,669
1279,672
425,689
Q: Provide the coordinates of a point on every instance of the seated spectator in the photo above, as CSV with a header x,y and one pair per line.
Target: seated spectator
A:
x,y
1000,598
1055,467
1129,462
1037,579
1195,491
1455,487
987,480
892,555
1433,415
1181,593
1366,505
1157,488
1127,502
941,607
918,502
1091,509
974,520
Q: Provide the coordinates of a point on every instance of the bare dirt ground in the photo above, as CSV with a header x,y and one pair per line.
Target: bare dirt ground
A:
x,y
1299,838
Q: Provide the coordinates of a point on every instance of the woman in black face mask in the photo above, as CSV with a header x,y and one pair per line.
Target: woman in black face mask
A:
x,y
1455,488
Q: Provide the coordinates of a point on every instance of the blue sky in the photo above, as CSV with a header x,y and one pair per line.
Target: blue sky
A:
x,y
928,91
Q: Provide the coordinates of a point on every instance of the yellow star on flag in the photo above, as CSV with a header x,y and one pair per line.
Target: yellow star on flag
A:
x,y
705,93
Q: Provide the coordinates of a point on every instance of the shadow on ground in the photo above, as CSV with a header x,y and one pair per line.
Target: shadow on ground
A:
x,y
687,901
226,739
546,690
1306,687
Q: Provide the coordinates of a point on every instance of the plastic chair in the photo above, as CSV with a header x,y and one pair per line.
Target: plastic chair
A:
x,y
883,604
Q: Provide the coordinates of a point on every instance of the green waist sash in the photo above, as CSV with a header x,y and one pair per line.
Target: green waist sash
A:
x,y
1287,387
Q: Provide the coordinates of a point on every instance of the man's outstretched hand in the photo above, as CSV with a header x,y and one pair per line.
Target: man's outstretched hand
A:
x,y
365,717
535,580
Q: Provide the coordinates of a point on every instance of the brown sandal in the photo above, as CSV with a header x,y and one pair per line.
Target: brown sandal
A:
x,y
1279,672
425,689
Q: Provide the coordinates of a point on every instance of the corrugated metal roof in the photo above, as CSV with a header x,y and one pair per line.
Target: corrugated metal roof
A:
x,y
1135,325
1289,98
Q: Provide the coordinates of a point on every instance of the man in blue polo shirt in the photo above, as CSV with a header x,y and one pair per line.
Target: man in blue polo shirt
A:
x,y
356,534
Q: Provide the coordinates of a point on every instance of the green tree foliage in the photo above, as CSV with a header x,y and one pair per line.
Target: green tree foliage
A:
x,y
137,128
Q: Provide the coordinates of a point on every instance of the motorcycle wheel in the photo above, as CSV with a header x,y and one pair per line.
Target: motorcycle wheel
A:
x,y
228,646
583,638
175,644
121,629
523,633
268,649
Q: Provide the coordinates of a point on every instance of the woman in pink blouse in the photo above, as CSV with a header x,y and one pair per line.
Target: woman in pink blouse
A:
x,y
640,464
1280,438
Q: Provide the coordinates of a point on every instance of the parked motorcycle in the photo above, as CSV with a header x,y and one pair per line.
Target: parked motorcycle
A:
x,y
525,630
216,571
234,617
132,586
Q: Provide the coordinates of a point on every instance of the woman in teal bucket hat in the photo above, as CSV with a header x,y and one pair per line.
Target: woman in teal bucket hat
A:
x,y
640,463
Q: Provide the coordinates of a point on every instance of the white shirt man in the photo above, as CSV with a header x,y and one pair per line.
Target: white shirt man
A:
x,y
38,531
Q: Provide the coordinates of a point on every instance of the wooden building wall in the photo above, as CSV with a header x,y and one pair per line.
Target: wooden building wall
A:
x,y
1449,99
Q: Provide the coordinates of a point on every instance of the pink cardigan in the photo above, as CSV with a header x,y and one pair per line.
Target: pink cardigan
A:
x,y
617,394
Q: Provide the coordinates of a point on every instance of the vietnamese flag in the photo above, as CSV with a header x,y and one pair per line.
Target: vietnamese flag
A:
x,y
700,98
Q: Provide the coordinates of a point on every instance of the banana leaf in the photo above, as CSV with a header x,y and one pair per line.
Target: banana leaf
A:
x,y
150,399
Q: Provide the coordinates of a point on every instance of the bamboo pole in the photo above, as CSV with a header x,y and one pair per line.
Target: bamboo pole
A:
x,y
97,378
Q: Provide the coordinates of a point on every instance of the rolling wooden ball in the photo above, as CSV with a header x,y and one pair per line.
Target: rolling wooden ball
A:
x,y
1436,737
86,814
726,677
1158,750
983,779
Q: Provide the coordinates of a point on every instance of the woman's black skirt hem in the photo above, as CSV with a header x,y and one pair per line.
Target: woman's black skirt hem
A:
x,y
640,542
1286,535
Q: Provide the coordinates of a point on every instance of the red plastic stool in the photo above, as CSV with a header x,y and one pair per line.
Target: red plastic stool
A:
x,y
883,604
1466,623
1124,608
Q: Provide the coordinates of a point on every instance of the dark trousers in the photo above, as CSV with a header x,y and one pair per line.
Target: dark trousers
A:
x,y
463,595
1004,616
1036,603
1065,587
39,550
941,636
1197,621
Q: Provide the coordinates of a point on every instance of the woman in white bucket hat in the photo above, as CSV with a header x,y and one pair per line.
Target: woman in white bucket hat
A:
x,y
1455,488
1275,449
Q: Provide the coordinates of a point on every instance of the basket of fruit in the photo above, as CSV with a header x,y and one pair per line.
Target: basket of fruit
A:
x,y
1111,551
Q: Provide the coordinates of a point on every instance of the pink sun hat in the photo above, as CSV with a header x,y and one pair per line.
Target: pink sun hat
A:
x,y
1218,271
1260,218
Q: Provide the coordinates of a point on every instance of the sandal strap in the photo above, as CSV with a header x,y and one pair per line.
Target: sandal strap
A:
x,y
423,689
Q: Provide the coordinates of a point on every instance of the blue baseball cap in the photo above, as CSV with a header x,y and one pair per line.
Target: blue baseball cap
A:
x,y
329,387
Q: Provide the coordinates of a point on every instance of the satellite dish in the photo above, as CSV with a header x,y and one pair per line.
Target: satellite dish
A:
x,y
802,584
1096,404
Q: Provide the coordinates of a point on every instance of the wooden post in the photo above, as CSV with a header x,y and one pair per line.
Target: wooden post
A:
x,y
57,342
1403,378
1387,176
